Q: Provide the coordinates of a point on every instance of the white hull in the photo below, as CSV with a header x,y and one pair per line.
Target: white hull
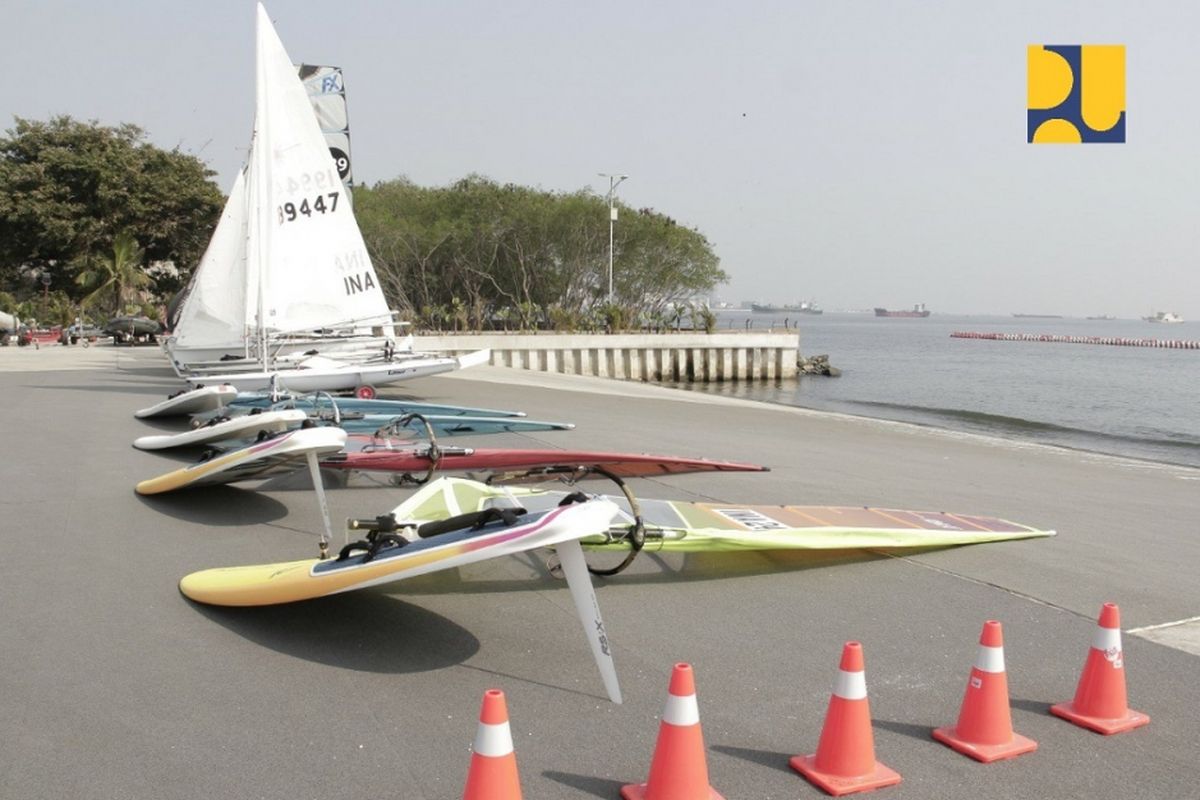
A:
x,y
240,358
329,376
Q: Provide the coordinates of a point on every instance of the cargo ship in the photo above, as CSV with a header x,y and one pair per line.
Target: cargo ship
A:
x,y
919,310
810,307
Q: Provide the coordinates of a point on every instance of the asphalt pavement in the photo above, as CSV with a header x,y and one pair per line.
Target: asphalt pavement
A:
x,y
115,686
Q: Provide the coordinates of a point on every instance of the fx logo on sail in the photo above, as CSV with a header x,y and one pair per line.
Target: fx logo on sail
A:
x,y
1076,93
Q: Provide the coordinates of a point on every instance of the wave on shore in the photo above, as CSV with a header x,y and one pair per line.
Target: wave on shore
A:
x,y
1154,444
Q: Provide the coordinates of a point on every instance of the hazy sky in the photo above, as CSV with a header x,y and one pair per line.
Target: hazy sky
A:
x,y
858,153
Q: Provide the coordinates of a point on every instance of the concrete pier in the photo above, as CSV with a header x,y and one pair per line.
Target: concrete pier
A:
x,y
1112,341
699,357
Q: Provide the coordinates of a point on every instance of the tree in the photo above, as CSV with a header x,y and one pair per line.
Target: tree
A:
x,y
69,188
119,272
503,254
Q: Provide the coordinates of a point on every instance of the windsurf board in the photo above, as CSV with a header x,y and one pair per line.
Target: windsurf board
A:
x,y
291,581
280,453
193,401
217,429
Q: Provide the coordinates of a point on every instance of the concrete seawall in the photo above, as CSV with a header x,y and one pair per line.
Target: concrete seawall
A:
x,y
696,357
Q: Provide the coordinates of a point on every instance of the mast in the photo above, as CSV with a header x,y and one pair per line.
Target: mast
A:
x,y
260,179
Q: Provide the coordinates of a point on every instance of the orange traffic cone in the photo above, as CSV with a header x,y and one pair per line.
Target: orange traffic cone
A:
x,y
493,774
678,770
1099,702
845,759
984,730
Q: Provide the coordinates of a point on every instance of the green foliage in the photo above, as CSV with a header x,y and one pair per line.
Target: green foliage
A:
x,y
45,309
115,274
704,318
565,320
68,188
615,317
514,257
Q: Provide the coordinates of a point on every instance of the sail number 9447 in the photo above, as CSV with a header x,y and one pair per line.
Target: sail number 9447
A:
x,y
321,204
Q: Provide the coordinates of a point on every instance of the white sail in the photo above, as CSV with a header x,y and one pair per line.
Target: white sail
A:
x,y
314,271
306,267
287,262
213,313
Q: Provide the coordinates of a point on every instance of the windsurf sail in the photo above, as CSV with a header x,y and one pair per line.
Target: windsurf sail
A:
x,y
520,463
690,527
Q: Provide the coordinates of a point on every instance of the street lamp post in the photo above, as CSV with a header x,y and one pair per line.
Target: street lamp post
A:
x,y
45,294
613,182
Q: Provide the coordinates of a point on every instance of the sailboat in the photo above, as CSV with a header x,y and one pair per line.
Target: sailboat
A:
x,y
287,272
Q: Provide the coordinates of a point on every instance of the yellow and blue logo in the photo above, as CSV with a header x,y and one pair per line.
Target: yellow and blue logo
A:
x,y
1076,93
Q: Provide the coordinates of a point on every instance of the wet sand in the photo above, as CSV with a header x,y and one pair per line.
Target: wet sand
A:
x,y
115,686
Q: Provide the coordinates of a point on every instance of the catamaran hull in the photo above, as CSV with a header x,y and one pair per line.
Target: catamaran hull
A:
x,y
238,357
336,379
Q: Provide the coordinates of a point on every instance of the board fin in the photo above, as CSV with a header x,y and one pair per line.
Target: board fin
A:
x,y
574,568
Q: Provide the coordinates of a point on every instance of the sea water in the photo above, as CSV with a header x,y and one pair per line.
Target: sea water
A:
x,y
1130,401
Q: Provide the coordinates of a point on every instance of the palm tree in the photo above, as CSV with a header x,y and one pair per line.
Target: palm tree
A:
x,y
120,272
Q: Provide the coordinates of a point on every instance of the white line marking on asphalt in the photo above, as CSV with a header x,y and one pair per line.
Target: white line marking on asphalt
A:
x,y
1162,625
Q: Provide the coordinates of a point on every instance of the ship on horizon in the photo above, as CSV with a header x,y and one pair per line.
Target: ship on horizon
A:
x,y
809,307
1164,316
919,310
1038,316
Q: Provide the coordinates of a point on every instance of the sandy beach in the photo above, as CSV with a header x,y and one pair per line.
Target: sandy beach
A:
x,y
116,686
